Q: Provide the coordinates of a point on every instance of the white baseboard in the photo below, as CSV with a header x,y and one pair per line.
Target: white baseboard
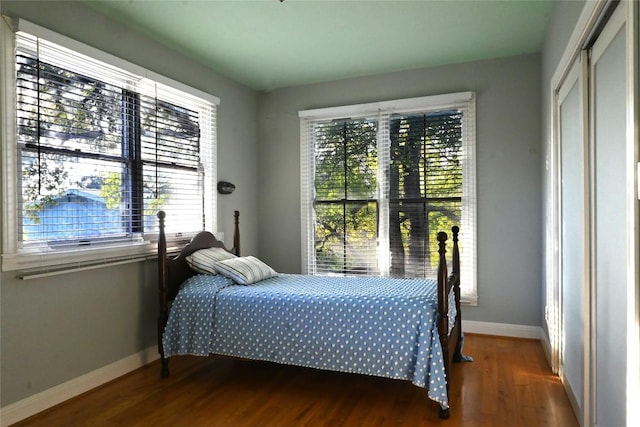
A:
x,y
572,399
46,399
502,329
546,346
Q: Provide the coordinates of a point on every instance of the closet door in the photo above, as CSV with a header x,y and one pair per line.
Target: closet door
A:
x,y
574,232
609,223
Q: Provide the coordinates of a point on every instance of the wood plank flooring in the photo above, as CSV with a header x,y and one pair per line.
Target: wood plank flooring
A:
x,y
508,384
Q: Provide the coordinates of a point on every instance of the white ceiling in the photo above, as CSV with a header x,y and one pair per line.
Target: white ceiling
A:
x,y
269,44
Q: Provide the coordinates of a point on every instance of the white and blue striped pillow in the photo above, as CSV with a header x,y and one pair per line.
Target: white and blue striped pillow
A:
x,y
245,270
204,260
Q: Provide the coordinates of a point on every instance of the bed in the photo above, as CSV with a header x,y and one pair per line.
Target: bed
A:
x,y
407,329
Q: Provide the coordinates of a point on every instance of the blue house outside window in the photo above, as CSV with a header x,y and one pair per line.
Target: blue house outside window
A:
x,y
79,214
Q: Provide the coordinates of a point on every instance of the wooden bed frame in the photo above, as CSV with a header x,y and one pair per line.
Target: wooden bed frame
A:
x,y
173,271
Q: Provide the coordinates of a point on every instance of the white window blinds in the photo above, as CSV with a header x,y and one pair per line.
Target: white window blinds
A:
x,y
378,186
99,150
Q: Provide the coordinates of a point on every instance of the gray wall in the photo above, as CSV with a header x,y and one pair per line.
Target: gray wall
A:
x,y
58,328
508,172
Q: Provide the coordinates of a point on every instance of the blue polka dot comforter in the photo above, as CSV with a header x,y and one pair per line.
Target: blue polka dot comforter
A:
x,y
374,326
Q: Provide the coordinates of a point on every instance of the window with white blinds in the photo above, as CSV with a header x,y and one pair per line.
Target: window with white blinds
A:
x,y
345,197
99,150
379,185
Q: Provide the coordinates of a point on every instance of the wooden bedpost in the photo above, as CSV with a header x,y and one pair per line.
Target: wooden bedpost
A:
x,y
443,310
443,297
456,252
457,354
163,315
236,233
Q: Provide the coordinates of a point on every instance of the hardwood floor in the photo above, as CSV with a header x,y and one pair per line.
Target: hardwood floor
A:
x,y
508,384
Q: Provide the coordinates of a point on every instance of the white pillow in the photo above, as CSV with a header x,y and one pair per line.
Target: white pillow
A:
x,y
204,260
245,270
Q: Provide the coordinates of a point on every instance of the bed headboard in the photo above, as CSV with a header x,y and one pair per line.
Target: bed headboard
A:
x,y
173,271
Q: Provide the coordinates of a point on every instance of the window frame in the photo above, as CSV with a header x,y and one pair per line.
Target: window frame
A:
x,y
16,256
465,101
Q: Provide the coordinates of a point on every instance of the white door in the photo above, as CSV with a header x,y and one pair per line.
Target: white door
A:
x,y
574,232
608,118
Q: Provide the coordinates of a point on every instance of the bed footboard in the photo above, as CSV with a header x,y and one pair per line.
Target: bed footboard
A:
x,y
451,342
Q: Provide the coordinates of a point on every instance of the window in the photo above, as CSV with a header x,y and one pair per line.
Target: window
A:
x,y
97,150
378,185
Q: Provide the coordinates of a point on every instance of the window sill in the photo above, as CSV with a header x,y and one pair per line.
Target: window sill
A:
x,y
73,258
469,300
